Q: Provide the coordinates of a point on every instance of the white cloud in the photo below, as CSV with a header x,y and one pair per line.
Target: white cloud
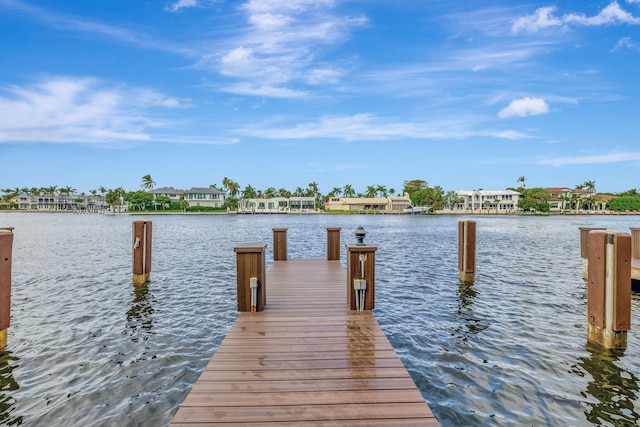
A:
x,y
81,110
544,18
626,43
592,159
524,107
369,127
281,44
180,4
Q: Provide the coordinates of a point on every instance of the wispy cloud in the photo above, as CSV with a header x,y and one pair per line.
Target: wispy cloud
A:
x,y
81,24
369,127
281,46
83,110
524,107
619,157
181,4
626,43
545,17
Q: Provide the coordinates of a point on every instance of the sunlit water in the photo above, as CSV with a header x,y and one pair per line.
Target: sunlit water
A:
x,y
86,347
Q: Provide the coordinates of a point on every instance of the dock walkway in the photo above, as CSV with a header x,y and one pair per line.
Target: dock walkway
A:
x,y
305,360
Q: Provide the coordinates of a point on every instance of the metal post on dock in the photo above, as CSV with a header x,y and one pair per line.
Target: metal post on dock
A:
x,y
333,244
141,238
361,273
279,244
6,248
584,251
467,251
250,277
609,288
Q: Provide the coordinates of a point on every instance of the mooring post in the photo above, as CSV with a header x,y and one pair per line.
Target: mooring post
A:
x,y
250,276
361,273
609,288
141,238
584,251
6,246
279,244
467,251
635,242
333,244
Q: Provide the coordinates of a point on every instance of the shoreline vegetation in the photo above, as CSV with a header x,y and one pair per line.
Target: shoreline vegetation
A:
x,y
323,212
229,198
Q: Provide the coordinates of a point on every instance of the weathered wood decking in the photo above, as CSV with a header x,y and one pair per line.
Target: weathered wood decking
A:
x,y
305,360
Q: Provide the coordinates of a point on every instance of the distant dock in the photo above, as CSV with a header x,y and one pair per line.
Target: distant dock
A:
x,y
307,359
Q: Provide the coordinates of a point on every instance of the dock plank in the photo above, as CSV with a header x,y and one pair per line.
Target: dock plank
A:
x,y
305,360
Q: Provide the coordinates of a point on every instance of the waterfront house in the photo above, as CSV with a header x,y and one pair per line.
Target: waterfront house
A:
x,y
196,196
394,204
499,201
563,198
277,205
61,202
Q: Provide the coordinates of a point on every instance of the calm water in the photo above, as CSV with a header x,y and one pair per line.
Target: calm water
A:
x,y
87,348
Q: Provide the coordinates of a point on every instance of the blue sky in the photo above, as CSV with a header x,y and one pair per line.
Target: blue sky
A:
x,y
272,93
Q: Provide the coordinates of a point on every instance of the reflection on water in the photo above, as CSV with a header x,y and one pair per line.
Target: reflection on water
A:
x,y
86,347
8,363
612,393
139,316
470,322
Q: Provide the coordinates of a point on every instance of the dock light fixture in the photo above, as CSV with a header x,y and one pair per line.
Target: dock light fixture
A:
x,y
360,233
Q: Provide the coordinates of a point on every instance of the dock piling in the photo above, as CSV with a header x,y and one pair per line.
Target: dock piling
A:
x,y
141,239
250,275
584,251
6,249
361,273
467,251
279,244
635,242
609,288
333,244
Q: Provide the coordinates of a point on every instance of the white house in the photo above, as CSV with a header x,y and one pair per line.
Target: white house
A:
x,y
500,201
196,196
277,205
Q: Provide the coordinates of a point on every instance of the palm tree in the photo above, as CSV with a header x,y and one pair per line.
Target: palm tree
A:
x,y
283,192
523,180
589,186
382,190
392,191
371,191
249,192
348,191
336,191
497,203
147,182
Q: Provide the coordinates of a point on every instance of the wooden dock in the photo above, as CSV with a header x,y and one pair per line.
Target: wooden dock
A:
x,y
307,359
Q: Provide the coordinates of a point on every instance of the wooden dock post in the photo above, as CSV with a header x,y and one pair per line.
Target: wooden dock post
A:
x,y
141,238
584,252
333,244
6,246
467,251
635,242
609,288
361,273
279,244
251,274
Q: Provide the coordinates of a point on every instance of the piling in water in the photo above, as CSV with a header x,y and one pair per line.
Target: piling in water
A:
x,y
141,239
333,244
609,288
635,242
6,248
250,277
467,251
584,251
279,244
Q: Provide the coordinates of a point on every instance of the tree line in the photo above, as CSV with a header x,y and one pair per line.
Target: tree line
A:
x,y
419,191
